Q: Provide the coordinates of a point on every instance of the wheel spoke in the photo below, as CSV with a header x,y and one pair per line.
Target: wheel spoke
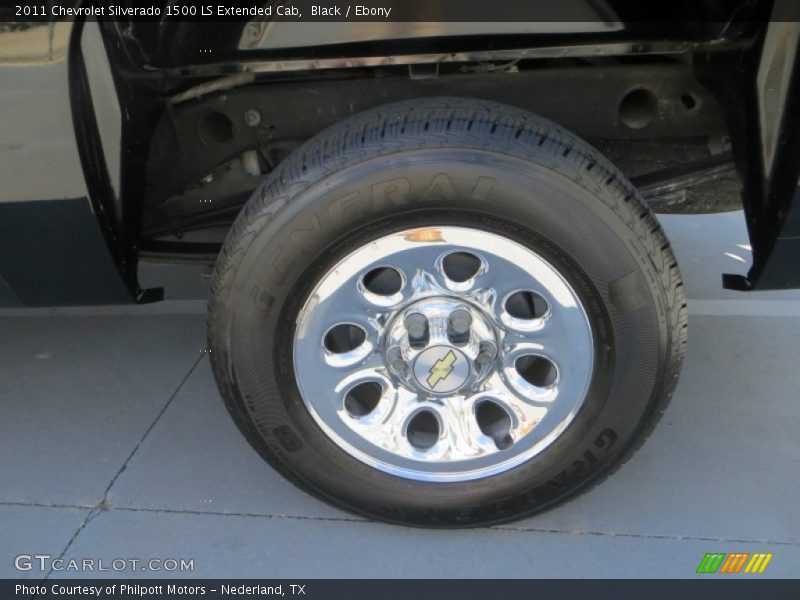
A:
x,y
528,413
418,263
462,437
385,425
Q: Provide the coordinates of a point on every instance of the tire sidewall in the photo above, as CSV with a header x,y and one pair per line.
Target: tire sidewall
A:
x,y
563,216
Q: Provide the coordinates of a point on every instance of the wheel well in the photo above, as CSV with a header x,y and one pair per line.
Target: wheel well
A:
x,y
211,144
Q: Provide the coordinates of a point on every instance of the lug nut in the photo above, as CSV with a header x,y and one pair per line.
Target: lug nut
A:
x,y
458,325
417,327
460,321
395,359
486,353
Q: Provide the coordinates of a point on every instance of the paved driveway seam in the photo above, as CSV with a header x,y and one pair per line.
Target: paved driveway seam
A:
x,y
647,536
288,517
103,506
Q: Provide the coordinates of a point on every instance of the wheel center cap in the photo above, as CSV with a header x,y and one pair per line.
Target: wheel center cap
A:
x,y
441,369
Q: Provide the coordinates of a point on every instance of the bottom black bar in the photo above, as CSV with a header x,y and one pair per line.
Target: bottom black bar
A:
x,y
390,589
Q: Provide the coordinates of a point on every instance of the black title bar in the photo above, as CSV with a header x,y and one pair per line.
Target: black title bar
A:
x,y
608,11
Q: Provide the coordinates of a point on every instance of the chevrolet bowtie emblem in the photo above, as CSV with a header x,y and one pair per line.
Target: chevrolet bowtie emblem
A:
x,y
441,369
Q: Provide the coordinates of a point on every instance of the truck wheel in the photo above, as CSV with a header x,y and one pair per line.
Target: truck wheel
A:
x,y
446,312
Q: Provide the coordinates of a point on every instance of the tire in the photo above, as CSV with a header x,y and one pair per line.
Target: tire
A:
x,y
457,165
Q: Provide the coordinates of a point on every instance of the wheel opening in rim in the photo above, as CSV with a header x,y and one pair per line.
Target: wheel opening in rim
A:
x,y
526,305
363,398
461,266
344,337
383,281
423,430
495,423
536,370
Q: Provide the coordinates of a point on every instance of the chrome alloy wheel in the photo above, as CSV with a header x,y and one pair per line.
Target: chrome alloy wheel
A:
x,y
443,353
